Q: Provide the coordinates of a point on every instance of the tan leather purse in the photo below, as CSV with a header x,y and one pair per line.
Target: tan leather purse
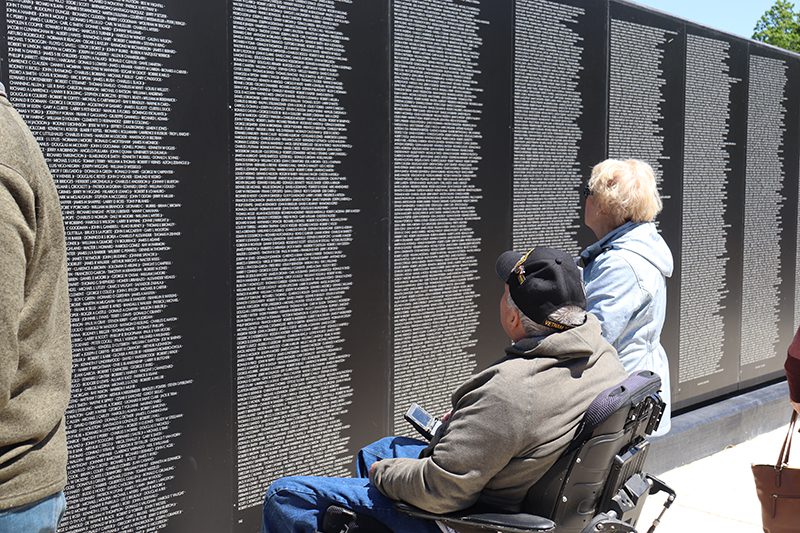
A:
x,y
778,488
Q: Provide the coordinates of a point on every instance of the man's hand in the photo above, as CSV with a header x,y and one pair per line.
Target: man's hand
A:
x,y
445,417
372,469
796,406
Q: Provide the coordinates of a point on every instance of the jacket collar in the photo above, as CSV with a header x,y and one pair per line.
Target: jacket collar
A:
x,y
2,90
523,347
580,341
604,244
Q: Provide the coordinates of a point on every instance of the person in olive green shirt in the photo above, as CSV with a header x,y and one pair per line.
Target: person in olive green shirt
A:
x,y
35,348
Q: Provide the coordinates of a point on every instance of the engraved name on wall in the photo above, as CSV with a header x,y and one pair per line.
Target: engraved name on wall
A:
x,y
547,107
91,80
435,158
704,231
291,273
635,100
766,126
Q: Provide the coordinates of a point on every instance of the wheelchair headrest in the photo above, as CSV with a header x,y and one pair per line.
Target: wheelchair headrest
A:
x,y
636,388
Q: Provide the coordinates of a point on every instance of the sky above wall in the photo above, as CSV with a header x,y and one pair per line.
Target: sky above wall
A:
x,y
732,16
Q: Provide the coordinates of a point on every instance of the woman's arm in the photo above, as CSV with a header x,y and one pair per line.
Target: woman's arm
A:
x,y
613,294
792,368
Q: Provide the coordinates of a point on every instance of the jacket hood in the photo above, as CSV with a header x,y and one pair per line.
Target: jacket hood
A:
x,y
641,238
580,341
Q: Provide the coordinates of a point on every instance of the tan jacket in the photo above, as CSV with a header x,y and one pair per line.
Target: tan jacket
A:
x,y
509,424
35,350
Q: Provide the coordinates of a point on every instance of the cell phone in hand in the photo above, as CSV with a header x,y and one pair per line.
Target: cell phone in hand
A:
x,y
423,422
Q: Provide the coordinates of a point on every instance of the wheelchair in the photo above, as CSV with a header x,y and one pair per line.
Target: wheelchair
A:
x,y
597,485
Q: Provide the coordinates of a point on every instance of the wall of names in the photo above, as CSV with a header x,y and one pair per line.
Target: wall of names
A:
x,y
282,218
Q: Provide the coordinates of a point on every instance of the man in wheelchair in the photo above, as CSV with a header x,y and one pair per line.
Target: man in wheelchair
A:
x,y
509,424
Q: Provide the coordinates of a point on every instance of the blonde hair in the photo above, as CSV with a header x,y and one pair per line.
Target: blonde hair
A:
x,y
625,190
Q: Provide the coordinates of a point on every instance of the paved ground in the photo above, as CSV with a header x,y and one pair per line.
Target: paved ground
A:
x,y
717,494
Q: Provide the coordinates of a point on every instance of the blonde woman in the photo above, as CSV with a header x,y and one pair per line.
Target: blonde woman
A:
x,y
625,271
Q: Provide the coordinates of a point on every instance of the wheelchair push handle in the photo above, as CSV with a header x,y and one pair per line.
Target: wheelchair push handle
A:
x,y
656,486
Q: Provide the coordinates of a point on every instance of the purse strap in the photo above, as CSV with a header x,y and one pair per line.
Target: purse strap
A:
x,y
783,458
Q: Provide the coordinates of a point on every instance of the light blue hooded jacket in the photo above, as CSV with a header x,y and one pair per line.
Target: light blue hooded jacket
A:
x,y
625,277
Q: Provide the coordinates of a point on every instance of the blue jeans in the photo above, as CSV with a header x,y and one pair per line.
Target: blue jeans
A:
x,y
387,448
295,504
39,517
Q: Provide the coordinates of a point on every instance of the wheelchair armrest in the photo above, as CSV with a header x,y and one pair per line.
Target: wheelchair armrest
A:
x,y
506,523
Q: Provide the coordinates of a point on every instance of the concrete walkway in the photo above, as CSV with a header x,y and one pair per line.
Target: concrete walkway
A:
x,y
717,494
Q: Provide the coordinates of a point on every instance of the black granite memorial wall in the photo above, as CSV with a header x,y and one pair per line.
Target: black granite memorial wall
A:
x,y
282,217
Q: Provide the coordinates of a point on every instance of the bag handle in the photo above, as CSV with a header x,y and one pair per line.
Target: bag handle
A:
x,y
783,458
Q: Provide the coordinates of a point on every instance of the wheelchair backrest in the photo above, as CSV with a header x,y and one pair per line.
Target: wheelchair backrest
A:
x,y
589,473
